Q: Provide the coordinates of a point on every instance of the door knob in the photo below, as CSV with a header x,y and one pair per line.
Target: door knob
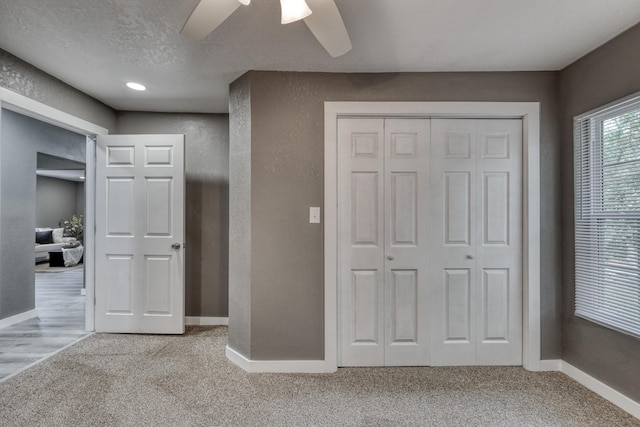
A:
x,y
390,257
469,256
175,246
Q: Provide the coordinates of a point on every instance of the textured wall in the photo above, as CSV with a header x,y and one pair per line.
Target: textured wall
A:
x,y
56,199
287,162
207,201
80,199
240,214
21,139
25,79
605,75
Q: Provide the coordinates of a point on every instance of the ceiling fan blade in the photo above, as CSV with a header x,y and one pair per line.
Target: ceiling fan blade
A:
x,y
207,16
326,24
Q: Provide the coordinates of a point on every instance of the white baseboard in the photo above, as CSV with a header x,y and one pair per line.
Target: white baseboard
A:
x,y
598,387
18,318
550,365
206,321
277,366
319,366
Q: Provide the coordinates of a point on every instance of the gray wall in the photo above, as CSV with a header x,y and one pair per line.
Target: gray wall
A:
x,y
240,217
207,201
56,199
25,79
285,114
21,138
605,75
80,199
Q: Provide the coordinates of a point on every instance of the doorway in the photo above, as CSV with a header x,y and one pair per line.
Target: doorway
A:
x,y
41,315
528,113
60,207
11,102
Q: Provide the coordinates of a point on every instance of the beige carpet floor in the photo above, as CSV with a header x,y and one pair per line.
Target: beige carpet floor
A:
x,y
136,380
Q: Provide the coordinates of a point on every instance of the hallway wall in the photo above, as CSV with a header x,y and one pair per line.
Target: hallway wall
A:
x,y
207,201
57,199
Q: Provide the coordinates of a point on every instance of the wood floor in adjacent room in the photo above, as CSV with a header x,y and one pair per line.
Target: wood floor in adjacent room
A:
x,y
60,322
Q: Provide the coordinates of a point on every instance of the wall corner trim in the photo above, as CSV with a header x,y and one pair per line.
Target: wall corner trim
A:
x,y
18,318
278,366
620,400
552,365
206,321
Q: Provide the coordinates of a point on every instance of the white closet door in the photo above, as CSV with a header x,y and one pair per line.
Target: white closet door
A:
x,y
406,258
383,223
453,209
499,236
476,248
430,218
361,242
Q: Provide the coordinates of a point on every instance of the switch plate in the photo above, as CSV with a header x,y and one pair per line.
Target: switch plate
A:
x,y
314,215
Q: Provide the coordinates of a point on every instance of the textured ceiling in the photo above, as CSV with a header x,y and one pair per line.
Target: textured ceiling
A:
x,y
98,45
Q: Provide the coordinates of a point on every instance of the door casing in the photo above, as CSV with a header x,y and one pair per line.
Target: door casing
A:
x,y
529,112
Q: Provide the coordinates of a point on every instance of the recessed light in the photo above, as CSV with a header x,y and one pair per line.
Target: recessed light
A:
x,y
136,86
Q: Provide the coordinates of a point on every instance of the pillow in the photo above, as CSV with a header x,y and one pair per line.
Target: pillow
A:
x,y
57,235
44,237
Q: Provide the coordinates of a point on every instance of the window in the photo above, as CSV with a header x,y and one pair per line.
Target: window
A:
x,y
607,216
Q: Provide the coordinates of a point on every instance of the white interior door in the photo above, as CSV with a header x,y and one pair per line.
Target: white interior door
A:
x,y
383,226
139,263
476,245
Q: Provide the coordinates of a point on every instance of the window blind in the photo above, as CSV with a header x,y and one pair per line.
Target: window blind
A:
x,y
607,216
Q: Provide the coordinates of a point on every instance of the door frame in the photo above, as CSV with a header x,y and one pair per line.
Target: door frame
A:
x,y
26,106
529,112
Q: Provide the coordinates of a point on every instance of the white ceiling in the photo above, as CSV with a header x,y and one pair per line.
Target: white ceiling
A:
x,y
98,45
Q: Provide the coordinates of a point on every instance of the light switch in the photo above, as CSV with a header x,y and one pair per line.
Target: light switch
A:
x,y
314,215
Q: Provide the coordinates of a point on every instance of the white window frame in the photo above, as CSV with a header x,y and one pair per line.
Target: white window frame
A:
x,y
589,186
